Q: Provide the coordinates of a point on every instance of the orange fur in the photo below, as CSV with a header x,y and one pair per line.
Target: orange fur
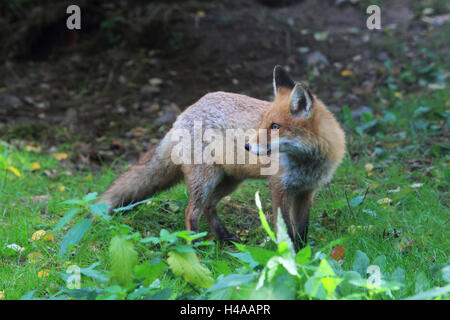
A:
x,y
311,146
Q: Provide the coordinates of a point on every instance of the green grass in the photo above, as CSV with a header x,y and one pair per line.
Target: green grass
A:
x,y
407,148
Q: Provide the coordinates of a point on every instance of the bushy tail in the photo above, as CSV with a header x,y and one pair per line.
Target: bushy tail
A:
x,y
154,172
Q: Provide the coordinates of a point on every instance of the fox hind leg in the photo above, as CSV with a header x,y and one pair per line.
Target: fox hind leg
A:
x,y
225,187
201,183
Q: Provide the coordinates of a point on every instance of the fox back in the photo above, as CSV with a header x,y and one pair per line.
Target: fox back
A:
x,y
296,131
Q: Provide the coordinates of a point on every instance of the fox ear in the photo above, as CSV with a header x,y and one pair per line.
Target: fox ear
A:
x,y
281,79
301,101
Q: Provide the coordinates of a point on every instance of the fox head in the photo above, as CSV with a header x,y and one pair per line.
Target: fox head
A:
x,y
297,124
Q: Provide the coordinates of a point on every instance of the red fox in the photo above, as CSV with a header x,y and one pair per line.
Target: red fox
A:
x,y
300,131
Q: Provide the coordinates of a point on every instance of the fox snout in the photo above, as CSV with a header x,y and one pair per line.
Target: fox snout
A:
x,y
255,149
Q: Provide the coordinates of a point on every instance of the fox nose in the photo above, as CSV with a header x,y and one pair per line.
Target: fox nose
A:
x,y
247,146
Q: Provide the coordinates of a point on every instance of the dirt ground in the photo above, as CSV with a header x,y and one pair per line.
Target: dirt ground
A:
x,y
115,90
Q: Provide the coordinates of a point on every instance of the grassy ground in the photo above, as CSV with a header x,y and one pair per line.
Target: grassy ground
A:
x,y
389,197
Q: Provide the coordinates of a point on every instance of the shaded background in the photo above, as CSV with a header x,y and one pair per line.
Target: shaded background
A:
x,y
114,87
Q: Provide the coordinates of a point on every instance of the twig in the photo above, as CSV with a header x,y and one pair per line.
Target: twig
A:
x,y
348,203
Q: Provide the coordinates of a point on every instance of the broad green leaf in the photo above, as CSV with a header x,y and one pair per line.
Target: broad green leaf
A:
x,y
346,287
263,219
131,206
282,233
315,289
356,201
260,255
324,270
288,263
94,274
304,255
330,284
398,275
150,270
446,273
232,280
183,248
431,294
189,235
186,264
361,263
223,294
101,209
163,294
66,219
90,196
420,110
245,257
381,262
28,295
123,258
74,235
421,282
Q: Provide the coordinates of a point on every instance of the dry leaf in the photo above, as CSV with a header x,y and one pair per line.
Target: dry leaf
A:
x,y
394,190
38,235
43,273
354,229
384,201
48,237
35,257
398,95
13,170
346,73
416,185
35,166
61,156
338,252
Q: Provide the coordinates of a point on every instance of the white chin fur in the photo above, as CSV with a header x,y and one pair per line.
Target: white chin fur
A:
x,y
256,149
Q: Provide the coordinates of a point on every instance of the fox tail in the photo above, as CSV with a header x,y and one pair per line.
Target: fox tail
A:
x,y
154,172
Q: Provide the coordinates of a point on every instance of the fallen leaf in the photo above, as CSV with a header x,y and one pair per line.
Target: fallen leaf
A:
x,y
394,190
13,170
384,201
35,166
354,229
43,273
338,252
346,73
416,185
48,237
369,167
61,188
404,246
35,257
61,156
398,95
38,235
33,148
201,13
2,295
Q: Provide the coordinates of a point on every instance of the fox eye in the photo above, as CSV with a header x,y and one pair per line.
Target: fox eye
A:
x,y
275,126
